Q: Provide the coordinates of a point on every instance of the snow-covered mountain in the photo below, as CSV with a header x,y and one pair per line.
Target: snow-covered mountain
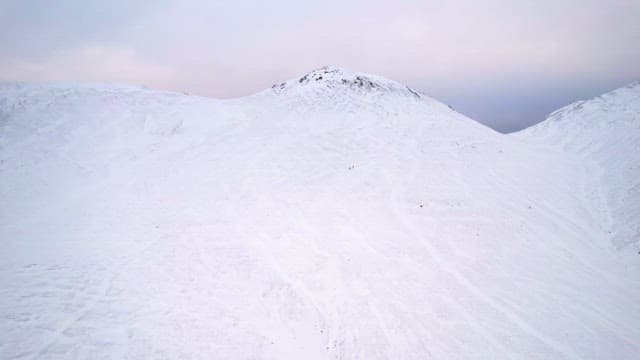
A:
x,y
337,215
605,131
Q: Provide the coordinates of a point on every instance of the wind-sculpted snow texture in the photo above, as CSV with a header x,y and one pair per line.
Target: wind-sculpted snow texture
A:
x,y
335,216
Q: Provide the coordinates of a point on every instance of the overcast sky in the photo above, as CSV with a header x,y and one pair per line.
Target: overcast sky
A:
x,y
504,63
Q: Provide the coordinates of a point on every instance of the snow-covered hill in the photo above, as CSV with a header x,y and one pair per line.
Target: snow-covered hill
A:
x,y
337,215
605,131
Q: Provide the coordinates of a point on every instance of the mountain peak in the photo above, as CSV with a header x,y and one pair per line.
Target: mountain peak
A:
x,y
329,77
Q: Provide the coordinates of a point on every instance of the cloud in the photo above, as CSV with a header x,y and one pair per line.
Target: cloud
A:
x,y
36,28
89,63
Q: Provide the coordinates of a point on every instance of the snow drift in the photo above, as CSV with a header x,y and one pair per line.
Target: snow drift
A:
x,y
337,215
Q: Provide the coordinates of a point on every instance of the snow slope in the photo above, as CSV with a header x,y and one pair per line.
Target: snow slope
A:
x,y
320,218
605,132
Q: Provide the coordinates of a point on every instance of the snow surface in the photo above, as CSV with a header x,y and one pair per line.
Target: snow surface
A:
x,y
606,132
320,218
